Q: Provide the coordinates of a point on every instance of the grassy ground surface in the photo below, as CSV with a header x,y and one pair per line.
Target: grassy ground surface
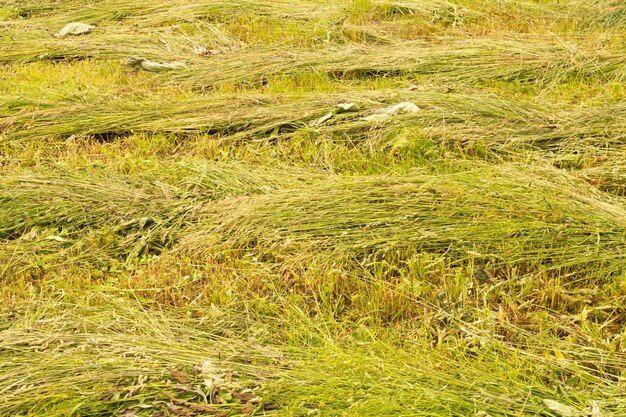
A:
x,y
248,234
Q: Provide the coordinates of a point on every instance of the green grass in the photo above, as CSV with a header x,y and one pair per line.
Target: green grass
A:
x,y
225,240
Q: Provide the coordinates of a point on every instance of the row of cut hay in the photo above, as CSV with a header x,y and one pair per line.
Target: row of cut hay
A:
x,y
468,119
568,137
41,46
500,126
156,30
103,356
259,115
21,43
437,13
159,13
221,115
542,61
74,216
533,218
53,217
578,130
526,60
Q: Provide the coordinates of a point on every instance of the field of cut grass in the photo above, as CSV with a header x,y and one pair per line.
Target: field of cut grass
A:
x,y
313,208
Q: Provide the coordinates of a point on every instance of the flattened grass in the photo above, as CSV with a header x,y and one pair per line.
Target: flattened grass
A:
x,y
97,216
103,356
530,219
210,242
